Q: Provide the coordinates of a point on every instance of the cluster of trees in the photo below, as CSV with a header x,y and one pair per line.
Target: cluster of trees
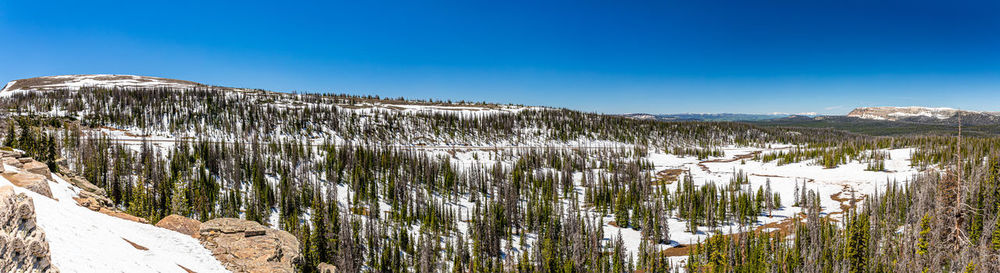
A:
x,y
833,155
398,208
701,153
711,205
33,141
269,116
940,221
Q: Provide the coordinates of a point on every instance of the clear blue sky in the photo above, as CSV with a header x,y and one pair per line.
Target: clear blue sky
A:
x,y
603,56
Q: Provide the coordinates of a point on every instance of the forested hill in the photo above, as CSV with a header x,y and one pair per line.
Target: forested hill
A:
x,y
370,184
173,109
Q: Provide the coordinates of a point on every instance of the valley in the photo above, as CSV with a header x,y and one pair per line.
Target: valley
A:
x,y
368,184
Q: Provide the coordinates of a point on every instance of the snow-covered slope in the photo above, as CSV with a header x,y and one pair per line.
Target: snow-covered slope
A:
x,y
82,240
75,82
896,113
338,118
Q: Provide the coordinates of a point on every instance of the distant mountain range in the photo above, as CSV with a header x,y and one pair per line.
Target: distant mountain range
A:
x,y
928,115
886,120
75,82
912,114
713,117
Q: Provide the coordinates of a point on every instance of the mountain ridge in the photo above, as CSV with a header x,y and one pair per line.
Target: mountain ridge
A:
x,y
77,81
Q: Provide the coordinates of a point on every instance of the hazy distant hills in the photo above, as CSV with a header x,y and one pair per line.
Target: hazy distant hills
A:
x,y
708,117
886,120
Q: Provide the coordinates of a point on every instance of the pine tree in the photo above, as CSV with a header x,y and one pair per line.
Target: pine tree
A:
x,y
795,197
857,243
26,141
179,200
51,154
618,255
319,248
996,234
925,230
11,139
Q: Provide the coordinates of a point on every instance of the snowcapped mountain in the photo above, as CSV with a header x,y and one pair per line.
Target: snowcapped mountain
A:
x,y
920,114
895,113
75,82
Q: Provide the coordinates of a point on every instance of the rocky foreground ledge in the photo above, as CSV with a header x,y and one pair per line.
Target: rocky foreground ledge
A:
x,y
23,247
241,245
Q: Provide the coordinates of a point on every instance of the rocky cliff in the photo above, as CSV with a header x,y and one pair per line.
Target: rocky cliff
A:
x,y
23,247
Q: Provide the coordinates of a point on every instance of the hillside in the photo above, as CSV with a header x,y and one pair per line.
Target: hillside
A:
x,y
884,127
76,82
369,184
706,117
225,114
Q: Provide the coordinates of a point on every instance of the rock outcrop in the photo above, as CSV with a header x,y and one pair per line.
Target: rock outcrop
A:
x,y
95,199
23,247
91,196
30,181
38,168
326,268
246,246
83,184
10,157
33,175
181,224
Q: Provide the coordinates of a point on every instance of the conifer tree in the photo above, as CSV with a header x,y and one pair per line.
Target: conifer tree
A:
x,y
11,139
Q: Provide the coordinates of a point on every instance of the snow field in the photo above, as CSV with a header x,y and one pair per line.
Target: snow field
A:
x,y
81,240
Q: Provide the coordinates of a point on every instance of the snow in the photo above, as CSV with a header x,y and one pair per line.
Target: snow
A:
x,y
75,82
8,85
844,179
894,113
847,178
81,240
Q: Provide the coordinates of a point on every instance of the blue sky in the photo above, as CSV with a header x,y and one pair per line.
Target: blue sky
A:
x,y
602,56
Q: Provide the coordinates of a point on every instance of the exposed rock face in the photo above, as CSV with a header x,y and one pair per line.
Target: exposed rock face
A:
x,y
13,162
326,268
39,168
246,246
30,181
927,115
181,224
33,175
23,247
82,183
92,197
10,153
